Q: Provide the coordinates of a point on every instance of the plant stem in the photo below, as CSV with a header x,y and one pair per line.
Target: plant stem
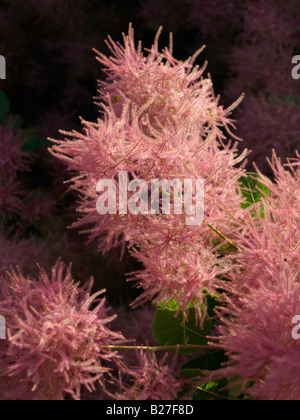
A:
x,y
221,235
162,348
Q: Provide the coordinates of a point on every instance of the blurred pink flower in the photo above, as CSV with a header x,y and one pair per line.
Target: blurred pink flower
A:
x,y
256,335
11,197
12,159
260,68
268,123
56,336
39,205
269,19
18,252
214,16
152,379
256,325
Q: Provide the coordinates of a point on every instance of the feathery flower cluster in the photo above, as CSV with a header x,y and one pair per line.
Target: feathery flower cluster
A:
x,y
152,379
55,338
179,272
162,88
256,328
162,121
257,39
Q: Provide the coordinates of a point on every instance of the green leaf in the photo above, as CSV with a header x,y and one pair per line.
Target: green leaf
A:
x,y
235,388
212,390
211,302
170,330
195,372
171,306
252,189
35,143
4,105
211,361
193,378
190,373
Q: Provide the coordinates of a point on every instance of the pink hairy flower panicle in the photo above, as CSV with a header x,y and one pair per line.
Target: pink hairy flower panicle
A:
x,y
180,261
256,324
151,379
256,335
160,86
287,187
56,335
174,145
113,145
266,241
178,271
